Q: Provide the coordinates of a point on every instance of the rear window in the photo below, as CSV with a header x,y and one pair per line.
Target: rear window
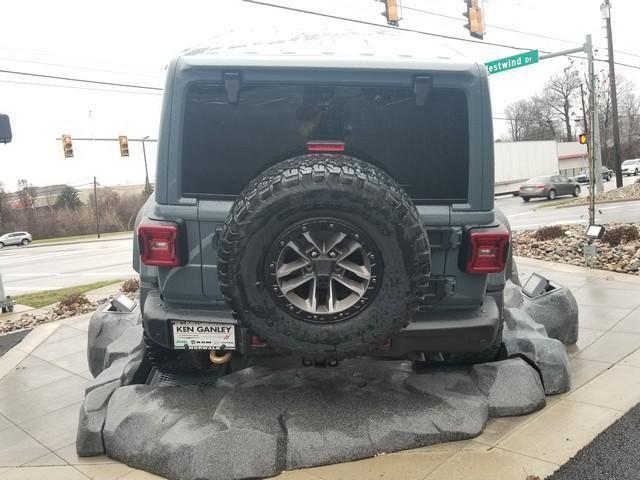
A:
x,y
425,148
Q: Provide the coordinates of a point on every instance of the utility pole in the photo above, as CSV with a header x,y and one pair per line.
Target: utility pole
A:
x,y
147,186
617,160
95,200
584,113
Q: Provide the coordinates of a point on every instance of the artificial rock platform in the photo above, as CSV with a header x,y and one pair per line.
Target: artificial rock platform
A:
x,y
260,421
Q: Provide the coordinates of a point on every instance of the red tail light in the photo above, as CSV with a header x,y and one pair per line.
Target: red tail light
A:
x,y
488,249
325,146
159,244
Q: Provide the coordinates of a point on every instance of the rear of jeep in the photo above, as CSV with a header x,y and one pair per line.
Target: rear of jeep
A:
x,y
307,206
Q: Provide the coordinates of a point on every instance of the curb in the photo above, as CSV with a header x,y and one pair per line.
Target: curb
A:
x,y
616,200
74,242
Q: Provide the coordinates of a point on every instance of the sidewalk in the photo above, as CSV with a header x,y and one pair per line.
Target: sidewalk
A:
x,y
42,383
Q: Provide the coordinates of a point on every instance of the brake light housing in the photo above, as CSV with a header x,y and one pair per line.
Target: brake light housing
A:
x,y
487,250
160,244
325,146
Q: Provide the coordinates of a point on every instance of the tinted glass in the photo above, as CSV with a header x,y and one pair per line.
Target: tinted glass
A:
x,y
426,149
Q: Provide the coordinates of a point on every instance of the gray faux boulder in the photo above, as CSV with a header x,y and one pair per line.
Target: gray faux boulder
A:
x,y
512,387
557,310
105,327
285,417
512,295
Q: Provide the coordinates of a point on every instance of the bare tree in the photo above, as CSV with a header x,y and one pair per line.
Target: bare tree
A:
x,y
530,120
26,194
560,94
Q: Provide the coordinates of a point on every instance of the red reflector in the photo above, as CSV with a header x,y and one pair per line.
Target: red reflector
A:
x,y
320,146
256,342
159,244
488,249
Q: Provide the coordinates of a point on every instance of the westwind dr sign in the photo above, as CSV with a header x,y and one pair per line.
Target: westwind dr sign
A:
x,y
515,61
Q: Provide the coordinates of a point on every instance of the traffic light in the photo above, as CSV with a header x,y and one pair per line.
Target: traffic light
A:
x,y
475,23
391,12
124,145
67,146
582,138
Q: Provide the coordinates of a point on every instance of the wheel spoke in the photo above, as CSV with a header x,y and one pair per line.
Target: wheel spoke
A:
x,y
288,268
294,246
294,283
331,301
309,238
360,270
312,301
350,284
335,240
348,251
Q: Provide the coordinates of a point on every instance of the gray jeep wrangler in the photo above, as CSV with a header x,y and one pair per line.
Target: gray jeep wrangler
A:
x,y
321,206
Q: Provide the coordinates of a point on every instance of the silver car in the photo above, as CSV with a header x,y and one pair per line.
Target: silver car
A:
x,y
631,167
15,238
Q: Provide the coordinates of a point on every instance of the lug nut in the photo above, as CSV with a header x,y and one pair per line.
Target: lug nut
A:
x,y
282,244
371,256
273,265
290,307
332,254
304,228
331,226
356,236
314,254
275,289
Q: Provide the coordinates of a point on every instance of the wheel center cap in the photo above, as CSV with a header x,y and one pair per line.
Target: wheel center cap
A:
x,y
323,267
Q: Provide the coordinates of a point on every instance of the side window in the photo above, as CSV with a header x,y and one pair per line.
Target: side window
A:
x,y
564,179
555,179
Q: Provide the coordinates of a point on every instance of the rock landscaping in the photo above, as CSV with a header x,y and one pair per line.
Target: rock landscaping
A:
x,y
628,192
70,306
618,251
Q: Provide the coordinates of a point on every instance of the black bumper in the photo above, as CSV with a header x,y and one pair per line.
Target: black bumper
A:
x,y
433,330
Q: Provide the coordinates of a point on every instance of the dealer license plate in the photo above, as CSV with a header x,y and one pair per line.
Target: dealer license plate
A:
x,y
203,336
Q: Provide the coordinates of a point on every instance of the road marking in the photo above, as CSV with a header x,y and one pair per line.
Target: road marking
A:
x,y
80,274
609,208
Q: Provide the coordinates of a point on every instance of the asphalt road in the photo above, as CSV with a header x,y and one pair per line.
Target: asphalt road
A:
x,y
612,455
36,268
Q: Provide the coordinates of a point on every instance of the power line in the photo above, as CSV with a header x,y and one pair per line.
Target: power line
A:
x,y
76,87
53,64
507,29
411,30
82,80
402,29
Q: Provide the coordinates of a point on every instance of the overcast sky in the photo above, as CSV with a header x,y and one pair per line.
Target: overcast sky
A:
x,y
131,42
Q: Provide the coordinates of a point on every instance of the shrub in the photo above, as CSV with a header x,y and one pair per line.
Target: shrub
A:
x,y
74,299
549,232
616,235
130,286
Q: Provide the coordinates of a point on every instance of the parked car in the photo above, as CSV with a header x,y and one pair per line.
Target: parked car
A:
x,y
15,238
631,167
548,186
607,174
325,208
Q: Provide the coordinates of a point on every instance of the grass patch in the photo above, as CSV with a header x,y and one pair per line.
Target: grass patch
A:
x,y
80,237
47,297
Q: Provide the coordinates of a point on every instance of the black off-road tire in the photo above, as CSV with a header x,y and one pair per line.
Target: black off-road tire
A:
x,y
176,361
353,193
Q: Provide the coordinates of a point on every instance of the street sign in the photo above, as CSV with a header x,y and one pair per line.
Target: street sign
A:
x,y
515,61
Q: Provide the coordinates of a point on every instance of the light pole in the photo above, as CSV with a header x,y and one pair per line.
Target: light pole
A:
x,y
147,186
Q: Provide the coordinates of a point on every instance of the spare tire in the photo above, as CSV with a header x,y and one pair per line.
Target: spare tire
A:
x,y
323,255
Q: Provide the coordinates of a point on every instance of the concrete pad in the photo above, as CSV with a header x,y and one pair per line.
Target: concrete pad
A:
x,y
104,472
611,347
17,447
617,388
630,323
50,473
492,465
576,423
601,318
48,460
56,429
31,373
586,338
396,466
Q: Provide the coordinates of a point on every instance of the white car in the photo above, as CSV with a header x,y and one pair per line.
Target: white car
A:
x,y
631,167
15,238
